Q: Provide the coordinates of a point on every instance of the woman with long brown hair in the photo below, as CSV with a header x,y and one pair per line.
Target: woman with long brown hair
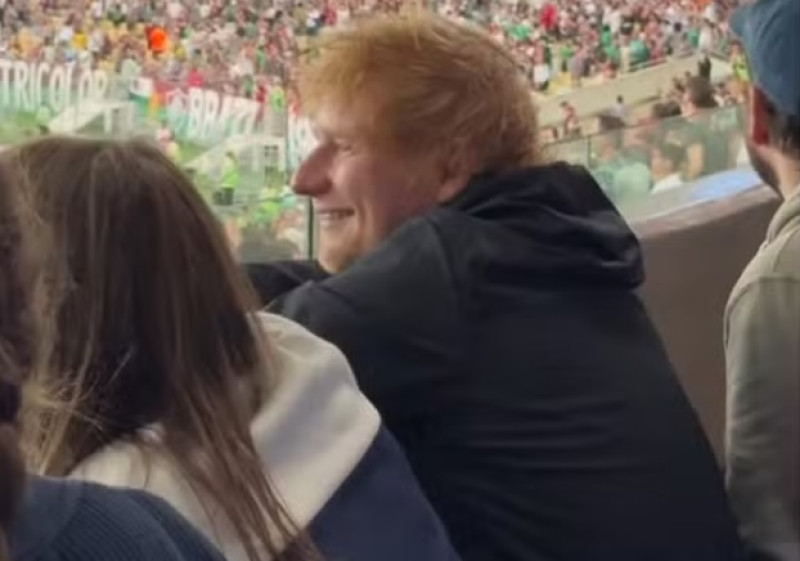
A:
x,y
47,519
249,425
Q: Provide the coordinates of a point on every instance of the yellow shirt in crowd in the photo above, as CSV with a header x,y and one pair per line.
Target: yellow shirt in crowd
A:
x,y
80,41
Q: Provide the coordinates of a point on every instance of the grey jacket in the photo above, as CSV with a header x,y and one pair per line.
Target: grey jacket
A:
x,y
762,350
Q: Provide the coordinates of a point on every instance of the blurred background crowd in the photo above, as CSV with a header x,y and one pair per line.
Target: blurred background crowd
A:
x,y
250,47
159,50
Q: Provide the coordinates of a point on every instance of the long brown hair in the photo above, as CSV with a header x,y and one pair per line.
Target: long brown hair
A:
x,y
17,348
152,327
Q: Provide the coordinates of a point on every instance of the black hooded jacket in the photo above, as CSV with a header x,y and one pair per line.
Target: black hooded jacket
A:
x,y
501,339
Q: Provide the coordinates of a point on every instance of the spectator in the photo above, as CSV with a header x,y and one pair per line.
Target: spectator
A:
x,y
722,96
170,387
577,67
48,519
739,64
622,176
541,75
706,152
662,123
762,320
486,300
620,110
704,66
667,162
230,178
226,45
705,40
639,53
572,123
666,110
678,87
157,39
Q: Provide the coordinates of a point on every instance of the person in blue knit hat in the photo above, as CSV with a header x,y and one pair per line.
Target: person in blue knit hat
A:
x,y
762,319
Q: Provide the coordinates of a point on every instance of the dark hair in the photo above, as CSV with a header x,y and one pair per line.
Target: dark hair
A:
x,y
666,109
701,93
784,130
609,122
612,127
17,348
138,340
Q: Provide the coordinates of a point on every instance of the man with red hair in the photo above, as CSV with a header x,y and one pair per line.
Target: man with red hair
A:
x,y
486,299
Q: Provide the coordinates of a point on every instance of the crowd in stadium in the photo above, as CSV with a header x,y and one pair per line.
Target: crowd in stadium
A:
x,y
467,370
251,48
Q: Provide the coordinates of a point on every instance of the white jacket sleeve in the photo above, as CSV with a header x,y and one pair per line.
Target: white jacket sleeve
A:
x,y
763,415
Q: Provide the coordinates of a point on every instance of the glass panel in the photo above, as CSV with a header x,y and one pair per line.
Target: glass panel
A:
x,y
648,159
234,147
242,152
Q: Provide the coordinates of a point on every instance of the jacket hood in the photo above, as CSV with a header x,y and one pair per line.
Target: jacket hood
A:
x,y
311,432
553,223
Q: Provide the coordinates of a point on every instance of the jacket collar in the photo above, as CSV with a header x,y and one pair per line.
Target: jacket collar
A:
x,y
787,216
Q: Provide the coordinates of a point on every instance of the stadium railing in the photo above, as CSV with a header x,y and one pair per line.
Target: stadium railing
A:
x,y
272,211
641,138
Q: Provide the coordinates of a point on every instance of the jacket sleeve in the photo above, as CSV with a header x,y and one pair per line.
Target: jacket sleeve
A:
x,y
276,278
396,366
763,416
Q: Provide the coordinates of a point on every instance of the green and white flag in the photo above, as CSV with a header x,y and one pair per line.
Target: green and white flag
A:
x,y
141,93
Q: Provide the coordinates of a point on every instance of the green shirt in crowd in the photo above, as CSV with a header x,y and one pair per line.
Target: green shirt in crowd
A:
x,y
520,32
694,37
640,54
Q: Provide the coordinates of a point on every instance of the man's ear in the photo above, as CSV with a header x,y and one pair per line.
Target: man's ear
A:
x,y
451,187
457,168
757,130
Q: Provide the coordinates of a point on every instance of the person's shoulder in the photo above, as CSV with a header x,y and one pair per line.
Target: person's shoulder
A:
x,y
414,253
782,255
771,277
778,259
141,522
407,278
314,389
140,464
104,524
299,352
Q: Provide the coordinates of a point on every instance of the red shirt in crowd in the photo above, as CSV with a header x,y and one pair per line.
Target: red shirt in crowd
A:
x,y
157,39
261,93
194,79
548,17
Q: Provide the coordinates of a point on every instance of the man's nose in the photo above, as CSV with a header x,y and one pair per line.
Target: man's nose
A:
x,y
312,177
